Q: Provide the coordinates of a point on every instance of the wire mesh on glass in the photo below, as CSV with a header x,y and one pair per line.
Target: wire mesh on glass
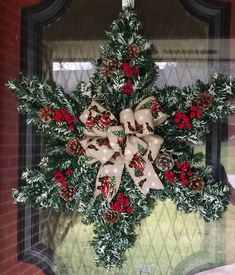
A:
x,y
168,240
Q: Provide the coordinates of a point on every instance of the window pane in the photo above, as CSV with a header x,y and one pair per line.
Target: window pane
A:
x,y
169,241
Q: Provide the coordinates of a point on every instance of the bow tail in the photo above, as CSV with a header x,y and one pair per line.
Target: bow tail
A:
x,y
109,178
144,175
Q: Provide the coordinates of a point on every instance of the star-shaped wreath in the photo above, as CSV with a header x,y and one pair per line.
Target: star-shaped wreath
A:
x,y
119,144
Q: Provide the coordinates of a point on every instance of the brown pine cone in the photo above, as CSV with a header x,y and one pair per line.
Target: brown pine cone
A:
x,y
196,183
108,67
164,162
68,193
111,216
133,51
74,148
46,114
204,100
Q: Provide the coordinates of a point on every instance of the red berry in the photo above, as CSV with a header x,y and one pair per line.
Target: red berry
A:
x,y
137,70
194,108
179,165
190,173
192,115
199,113
184,182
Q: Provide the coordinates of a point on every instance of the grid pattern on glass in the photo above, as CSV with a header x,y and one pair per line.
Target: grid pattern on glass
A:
x,y
167,237
68,74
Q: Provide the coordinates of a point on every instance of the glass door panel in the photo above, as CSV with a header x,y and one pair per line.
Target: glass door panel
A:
x,y
169,242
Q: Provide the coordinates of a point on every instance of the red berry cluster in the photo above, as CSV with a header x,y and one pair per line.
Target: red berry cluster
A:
x,y
186,173
196,112
128,88
62,178
183,174
63,115
129,72
122,204
169,175
184,120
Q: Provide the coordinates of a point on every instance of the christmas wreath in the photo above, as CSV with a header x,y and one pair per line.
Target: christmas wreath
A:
x,y
116,146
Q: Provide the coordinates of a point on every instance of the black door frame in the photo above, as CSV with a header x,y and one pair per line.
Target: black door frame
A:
x,y
33,18
30,250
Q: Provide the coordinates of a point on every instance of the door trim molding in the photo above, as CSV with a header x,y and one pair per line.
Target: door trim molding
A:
x,y
218,16
30,250
33,18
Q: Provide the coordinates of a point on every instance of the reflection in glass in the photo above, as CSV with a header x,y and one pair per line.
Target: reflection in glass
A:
x,y
169,242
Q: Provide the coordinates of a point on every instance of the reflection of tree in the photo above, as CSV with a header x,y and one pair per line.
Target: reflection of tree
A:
x,y
69,78
55,226
231,125
182,73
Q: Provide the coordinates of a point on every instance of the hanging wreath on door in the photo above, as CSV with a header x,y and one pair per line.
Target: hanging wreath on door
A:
x,y
118,145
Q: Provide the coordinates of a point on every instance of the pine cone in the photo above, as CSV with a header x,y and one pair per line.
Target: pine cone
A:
x,y
111,216
196,183
164,162
46,114
204,100
108,67
74,148
68,193
133,51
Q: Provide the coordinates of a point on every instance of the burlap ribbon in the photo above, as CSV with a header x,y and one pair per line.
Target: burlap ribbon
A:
x,y
132,144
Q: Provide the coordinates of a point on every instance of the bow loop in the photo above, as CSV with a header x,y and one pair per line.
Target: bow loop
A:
x,y
117,138
127,120
144,122
151,103
97,120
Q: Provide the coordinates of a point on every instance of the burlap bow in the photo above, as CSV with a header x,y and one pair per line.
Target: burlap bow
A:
x,y
132,144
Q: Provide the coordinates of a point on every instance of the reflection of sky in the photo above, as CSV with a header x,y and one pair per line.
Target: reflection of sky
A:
x,y
231,179
72,66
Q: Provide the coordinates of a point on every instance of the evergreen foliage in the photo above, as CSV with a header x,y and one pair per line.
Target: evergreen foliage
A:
x,y
42,188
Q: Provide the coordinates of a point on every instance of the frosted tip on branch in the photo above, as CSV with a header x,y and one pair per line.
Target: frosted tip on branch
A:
x,y
128,3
